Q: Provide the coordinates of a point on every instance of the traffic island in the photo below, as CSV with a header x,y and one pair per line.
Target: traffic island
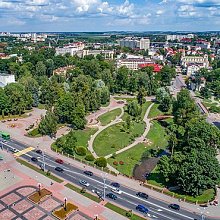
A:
x,y
39,196
65,211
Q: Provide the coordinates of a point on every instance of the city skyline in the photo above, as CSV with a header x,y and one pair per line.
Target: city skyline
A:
x,y
109,15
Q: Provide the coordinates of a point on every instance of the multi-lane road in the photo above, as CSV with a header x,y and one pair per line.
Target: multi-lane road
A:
x,y
128,199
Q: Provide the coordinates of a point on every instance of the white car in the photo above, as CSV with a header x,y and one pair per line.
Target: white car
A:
x,y
116,190
84,183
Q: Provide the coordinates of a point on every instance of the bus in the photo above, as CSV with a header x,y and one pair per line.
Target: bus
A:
x,y
5,135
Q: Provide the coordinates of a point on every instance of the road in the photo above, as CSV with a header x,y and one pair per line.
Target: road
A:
x,y
128,199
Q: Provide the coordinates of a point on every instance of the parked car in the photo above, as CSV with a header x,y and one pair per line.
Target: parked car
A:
x,y
59,169
174,206
117,185
59,161
142,208
142,195
84,183
116,190
34,159
111,196
38,151
88,173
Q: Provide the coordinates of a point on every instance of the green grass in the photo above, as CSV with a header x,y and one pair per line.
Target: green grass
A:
x,y
130,158
156,179
34,133
125,99
112,139
209,104
145,106
157,135
25,163
86,194
122,211
109,116
154,112
41,106
83,136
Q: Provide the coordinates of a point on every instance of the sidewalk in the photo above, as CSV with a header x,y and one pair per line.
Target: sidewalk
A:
x,y
25,176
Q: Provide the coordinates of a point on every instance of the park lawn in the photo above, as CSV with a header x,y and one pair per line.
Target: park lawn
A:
x,y
113,139
130,158
157,135
156,179
125,99
209,104
83,136
109,116
154,112
145,106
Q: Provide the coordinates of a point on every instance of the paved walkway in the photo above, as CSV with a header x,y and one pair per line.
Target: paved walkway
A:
x,y
140,139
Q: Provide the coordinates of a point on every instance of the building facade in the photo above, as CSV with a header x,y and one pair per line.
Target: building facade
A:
x,y
6,79
132,63
134,43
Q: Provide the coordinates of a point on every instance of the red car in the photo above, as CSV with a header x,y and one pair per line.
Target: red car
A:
x,y
59,161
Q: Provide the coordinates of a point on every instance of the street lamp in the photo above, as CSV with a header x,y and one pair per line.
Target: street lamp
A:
x,y
65,199
104,175
39,186
202,212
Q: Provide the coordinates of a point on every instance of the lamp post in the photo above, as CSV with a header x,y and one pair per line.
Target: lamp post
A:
x,y
104,175
65,199
202,212
39,186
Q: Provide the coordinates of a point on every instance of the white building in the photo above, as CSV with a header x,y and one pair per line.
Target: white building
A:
x,y
132,63
133,43
204,45
72,49
6,79
179,37
107,54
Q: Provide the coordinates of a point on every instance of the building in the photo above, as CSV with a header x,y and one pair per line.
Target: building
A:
x,y
156,67
72,49
6,79
63,70
179,37
133,63
107,54
134,43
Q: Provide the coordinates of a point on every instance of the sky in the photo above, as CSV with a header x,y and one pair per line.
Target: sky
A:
x,y
109,15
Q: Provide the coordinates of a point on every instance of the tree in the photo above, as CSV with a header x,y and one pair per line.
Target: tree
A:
x,y
122,78
48,124
141,96
134,109
164,99
204,91
101,162
40,69
166,74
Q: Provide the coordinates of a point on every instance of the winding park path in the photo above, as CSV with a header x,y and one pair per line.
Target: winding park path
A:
x,y
118,119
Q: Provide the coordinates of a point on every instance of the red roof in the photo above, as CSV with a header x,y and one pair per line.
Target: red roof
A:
x,y
156,67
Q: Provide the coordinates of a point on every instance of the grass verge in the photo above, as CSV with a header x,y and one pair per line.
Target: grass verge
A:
x,y
25,163
109,116
86,194
123,212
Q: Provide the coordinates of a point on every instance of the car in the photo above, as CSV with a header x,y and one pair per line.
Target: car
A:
x,y
88,173
38,151
34,159
13,150
142,208
116,190
111,196
142,195
59,169
84,183
174,206
117,185
59,161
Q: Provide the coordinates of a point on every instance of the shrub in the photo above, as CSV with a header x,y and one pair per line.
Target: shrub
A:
x,y
89,157
101,162
214,109
81,151
121,162
115,163
113,155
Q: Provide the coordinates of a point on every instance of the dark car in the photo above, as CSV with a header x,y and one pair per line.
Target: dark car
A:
x,y
111,196
39,151
174,206
142,208
88,173
59,161
142,195
59,169
117,185
34,159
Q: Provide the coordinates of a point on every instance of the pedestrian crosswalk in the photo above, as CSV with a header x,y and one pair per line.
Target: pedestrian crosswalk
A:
x,y
26,150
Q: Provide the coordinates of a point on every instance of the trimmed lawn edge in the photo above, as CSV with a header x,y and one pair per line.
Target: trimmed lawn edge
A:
x,y
123,212
25,163
86,194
